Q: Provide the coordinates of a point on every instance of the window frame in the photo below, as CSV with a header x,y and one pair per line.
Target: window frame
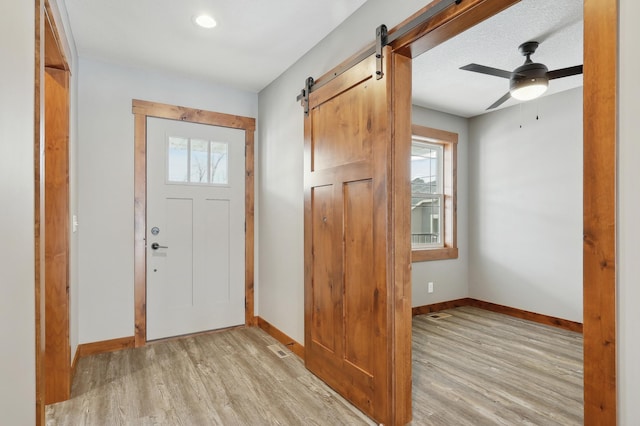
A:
x,y
448,223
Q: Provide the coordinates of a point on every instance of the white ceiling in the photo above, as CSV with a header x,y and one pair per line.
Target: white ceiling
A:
x,y
253,43
438,83
256,40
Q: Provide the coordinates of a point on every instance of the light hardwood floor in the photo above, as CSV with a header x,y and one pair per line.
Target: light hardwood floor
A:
x,y
482,368
226,378
472,368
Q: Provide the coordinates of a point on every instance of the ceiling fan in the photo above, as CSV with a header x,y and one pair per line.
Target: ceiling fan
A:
x,y
529,80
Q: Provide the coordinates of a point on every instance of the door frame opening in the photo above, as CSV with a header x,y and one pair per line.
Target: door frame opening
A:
x,y
599,180
52,238
141,110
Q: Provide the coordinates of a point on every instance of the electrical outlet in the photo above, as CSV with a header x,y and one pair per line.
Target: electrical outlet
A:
x,y
430,287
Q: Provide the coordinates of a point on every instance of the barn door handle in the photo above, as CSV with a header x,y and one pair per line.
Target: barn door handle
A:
x,y
156,246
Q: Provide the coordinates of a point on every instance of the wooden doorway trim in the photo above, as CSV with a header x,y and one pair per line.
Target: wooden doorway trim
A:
x,y
142,110
599,188
57,347
51,208
599,210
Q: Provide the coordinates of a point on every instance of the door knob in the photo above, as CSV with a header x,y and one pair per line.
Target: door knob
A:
x,y
156,246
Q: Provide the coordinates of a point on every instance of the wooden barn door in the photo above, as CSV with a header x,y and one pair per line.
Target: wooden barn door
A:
x,y
356,269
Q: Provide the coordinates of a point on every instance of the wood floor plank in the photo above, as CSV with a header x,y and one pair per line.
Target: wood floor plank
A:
x,y
493,369
472,368
228,378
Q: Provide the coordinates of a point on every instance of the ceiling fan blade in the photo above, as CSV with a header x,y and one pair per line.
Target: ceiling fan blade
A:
x,y
565,72
500,101
487,70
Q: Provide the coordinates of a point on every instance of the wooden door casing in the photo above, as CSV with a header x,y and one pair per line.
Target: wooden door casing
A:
x,y
141,111
57,356
350,258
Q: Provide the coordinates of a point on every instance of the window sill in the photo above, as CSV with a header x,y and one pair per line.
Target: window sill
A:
x,y
434,254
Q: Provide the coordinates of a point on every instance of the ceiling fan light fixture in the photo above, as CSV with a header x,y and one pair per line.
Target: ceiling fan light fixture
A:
x,y
527,89
205,21
529,81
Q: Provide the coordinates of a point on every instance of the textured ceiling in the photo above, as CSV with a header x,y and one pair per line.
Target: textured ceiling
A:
x,y
253,43
438,83
256,40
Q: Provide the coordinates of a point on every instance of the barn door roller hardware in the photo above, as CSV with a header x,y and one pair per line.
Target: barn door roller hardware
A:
x,y
382,39
381,42
304,95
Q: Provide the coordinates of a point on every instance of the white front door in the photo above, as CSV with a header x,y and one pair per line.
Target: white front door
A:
x,y
195,227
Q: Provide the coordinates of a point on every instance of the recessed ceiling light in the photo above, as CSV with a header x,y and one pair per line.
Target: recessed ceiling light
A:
x,y
205,21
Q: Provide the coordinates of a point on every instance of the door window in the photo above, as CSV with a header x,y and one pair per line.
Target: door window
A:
x,y
197,161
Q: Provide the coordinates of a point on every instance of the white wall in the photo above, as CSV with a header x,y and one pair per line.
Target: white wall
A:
x,y
525,197
105,175
17,295
281,274
628,214
450,277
